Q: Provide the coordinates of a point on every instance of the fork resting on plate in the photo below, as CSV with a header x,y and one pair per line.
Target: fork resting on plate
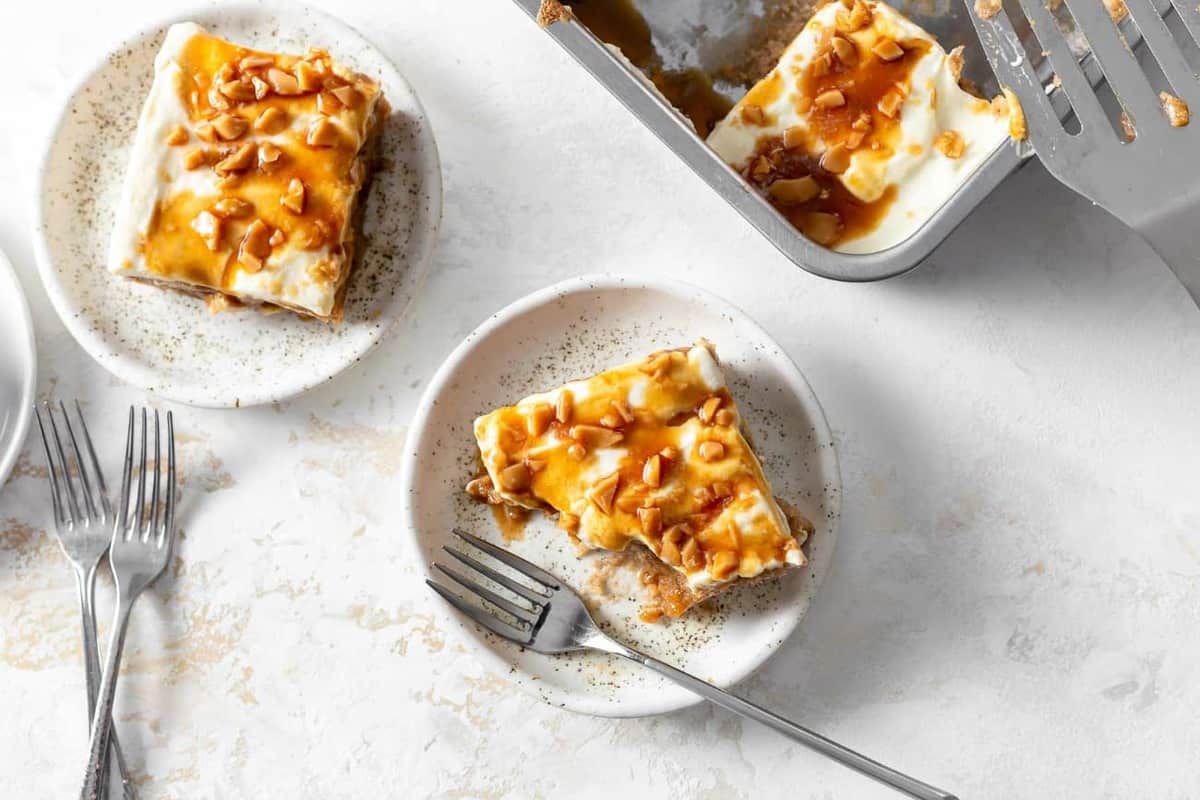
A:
x,y
554,620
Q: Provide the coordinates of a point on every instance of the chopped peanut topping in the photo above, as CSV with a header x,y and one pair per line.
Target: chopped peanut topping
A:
x,y
604,493
261,87
177,135
268,155
594,436
282,82
724,418
232,208
1176,109
271,120
255,62
711,451
256,246
652,471
240,91
986,9
712,404
308,76
888,50
205,132
789,191
564,406
820,226
1017,128
515,478
723,564
650,520
754,115
293,198
322,133
539,419
845,50
950,143
347,95
889,104
238,161
194,159
691,555
277,238
230,126
836,159
209,227
832,98
794,137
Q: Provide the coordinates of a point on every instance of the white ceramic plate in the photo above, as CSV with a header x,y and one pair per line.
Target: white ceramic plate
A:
x,y
18,368
169,343
572,330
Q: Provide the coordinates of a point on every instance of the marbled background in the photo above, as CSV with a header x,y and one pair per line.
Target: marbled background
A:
x,y
1013,609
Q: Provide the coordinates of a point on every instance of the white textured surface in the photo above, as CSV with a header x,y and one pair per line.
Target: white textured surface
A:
x,y
1013,605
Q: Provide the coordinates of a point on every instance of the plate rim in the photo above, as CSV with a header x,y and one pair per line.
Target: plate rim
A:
x,y
8,458
419,430
94,346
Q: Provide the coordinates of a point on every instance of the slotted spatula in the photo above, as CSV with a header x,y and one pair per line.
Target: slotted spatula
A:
x,y
1151,183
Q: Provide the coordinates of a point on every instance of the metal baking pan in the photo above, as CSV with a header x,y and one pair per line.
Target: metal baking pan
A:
x,y
698,31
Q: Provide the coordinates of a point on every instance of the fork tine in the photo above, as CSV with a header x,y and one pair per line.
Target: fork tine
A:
x,y
89,498
521,589
152,529
56,499
167,536
99,473
1007,56
482,617
1121,69
516,562
1166,52
141,486
72,498
126,476
523,614
1084,102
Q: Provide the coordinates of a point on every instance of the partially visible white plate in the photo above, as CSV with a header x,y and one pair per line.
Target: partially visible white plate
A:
x,y
169,343
572,330
18,368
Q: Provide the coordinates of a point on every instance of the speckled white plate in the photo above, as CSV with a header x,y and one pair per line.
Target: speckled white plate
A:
x,y
18,368
169,343
572,330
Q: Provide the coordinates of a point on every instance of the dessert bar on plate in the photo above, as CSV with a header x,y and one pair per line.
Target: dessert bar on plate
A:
x,y
649,454
245,173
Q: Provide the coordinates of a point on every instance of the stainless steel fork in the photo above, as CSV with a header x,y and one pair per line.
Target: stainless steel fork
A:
x,y
142,541
1151,183
554,620
82,524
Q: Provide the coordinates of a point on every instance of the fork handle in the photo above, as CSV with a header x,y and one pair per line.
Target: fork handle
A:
x,y
86,583
102,716
839,753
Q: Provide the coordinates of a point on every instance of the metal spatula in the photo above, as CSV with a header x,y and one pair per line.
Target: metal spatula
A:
x,y
1151,183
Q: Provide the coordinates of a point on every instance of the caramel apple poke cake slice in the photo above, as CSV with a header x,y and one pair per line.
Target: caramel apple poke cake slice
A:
x,y
648,456
245,172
